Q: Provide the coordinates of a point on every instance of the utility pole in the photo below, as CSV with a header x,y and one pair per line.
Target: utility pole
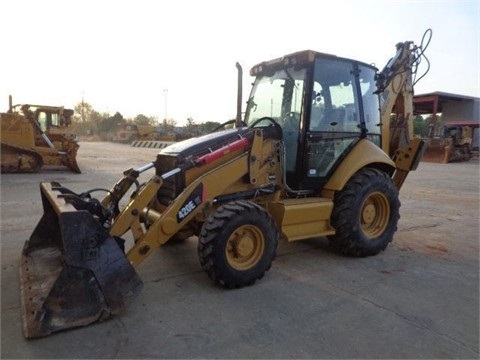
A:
x,y
83,108
165,92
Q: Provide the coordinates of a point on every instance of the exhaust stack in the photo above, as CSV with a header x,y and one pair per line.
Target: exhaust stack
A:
x,y
238,120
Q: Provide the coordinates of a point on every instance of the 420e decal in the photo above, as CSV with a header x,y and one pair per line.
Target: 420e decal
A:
x,y
195,199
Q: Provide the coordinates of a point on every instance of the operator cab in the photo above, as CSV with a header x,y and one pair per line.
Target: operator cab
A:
x,y
47,117
324,105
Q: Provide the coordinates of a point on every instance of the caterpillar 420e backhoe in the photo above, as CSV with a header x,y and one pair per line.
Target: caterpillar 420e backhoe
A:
x,y
312,157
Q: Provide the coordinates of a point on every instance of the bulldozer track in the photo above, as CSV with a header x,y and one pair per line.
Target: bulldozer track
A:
x,y
26,160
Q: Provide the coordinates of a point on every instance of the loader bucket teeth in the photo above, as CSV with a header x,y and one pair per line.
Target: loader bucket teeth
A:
x,y
72,272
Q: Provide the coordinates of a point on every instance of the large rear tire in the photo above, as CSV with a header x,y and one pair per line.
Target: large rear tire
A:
x,y
237,244
365,214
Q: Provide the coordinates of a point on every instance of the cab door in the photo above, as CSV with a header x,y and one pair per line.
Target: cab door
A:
x,y
342,91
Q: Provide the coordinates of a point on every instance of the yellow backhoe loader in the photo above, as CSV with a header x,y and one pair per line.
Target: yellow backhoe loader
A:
x,y
33,136
312,157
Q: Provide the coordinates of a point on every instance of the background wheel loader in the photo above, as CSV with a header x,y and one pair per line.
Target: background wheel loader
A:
x,y
33,136
312,157
453,126
455,144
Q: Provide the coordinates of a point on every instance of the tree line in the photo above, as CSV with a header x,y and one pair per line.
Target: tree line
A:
x,y
88,121
422,126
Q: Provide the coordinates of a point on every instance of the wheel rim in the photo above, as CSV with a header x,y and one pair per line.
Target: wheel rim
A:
x,y
245,247
375,214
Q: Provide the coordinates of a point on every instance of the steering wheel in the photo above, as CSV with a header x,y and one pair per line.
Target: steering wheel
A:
x,y
278,128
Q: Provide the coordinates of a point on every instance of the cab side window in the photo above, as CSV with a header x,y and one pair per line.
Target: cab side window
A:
x,y
42,120
334,105
334,122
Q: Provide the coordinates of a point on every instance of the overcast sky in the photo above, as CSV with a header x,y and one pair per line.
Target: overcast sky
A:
x,y
178,57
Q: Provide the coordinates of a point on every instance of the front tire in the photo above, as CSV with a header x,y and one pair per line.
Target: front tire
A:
x,y
237,244
365,214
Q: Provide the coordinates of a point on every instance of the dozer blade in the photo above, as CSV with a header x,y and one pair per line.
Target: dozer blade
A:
x,y
72,160
71,156
72,272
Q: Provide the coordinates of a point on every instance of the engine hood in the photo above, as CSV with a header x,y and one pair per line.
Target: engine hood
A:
x,y
204,144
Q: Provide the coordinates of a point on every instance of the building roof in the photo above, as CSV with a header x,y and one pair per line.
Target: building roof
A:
x,y
474,123
446,95
433,102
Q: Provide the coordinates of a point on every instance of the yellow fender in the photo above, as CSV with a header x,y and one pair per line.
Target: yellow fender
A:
x,y
363,154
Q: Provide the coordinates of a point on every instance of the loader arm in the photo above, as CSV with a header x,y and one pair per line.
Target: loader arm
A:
x,y
158,227
74,270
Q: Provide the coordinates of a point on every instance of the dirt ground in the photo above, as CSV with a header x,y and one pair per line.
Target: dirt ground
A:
x,y
418,299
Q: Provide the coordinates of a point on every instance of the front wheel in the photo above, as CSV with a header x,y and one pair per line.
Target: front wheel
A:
x,y
365,214
237,244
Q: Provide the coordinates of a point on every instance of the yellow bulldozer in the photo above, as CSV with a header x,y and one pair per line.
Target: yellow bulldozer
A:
x,y
34,136
312,157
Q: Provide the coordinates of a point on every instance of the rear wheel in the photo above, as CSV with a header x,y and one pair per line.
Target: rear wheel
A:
x,y
237,244
365,214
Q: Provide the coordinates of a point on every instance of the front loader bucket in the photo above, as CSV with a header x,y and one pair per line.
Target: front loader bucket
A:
x,y
72,272
436,153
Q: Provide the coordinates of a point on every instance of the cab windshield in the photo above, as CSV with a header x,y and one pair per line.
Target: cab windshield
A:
x,y
278,96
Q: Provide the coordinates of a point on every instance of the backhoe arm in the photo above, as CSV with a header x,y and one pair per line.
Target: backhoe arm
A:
x,y
394,83
395,86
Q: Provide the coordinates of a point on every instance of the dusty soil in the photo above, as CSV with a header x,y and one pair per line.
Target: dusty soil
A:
x,y
417,299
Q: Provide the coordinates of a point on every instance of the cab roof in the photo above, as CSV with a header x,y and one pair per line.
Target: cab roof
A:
x,y
297,58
